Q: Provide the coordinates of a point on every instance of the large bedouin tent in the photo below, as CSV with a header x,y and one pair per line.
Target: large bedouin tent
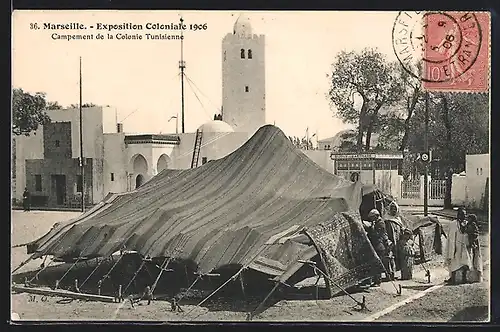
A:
x,y
265,207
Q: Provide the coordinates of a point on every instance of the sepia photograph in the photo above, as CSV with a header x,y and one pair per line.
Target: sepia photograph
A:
x,y
253,166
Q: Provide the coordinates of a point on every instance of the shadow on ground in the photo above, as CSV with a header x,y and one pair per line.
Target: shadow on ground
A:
x,y
171,284
471,314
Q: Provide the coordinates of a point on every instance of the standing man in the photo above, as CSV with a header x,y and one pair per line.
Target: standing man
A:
x,y
394,227
406,253
382,244
457,257
475,274
26,200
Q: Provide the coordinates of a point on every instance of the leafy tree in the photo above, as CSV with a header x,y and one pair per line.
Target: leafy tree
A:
x,y
370,77
458,125
412,95
53,105
28,112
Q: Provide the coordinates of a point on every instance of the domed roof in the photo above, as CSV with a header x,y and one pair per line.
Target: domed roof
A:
x,y
216,126
242,26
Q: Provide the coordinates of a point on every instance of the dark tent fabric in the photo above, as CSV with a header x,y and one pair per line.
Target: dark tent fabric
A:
x,y
229,212
345,251
429,232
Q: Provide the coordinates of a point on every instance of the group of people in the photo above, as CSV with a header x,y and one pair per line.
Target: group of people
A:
x,y
395,247
463,253
392,242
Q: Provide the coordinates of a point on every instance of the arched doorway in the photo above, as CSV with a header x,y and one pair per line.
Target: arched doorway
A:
x,y
139,180
163,163
139,168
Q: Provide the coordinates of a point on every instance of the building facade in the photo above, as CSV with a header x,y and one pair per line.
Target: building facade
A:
x,y
471,188
47,162
380,168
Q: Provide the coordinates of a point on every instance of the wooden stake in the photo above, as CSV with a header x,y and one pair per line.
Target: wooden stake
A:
x,y
242,283
120,296
251,314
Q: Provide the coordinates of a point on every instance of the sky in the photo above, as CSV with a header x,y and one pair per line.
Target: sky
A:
x,y
140,78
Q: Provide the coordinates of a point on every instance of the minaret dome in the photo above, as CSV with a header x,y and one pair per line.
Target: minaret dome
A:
x,y
242,27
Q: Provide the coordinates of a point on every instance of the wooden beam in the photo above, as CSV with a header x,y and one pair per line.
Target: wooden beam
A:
x,y
63,293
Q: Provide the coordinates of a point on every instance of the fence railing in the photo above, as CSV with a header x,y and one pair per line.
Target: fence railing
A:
x,y
410,189
414,189
437,189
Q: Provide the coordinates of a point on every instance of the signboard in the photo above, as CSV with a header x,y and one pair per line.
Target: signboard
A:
x,y
365,156
424,156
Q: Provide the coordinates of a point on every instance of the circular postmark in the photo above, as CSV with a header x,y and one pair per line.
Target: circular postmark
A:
x,y
436,46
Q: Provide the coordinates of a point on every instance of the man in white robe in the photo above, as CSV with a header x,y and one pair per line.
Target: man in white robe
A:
x,y
457,257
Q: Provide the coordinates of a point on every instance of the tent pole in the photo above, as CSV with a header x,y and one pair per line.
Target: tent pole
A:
x,y
23,263
91,273
134,276
38,273
242,284
232,278
316,284
70,268
162,268
362,304
219,288
189,288
250,315
113,267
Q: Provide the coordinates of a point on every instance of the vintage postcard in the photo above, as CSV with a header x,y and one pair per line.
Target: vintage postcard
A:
x,y
220,166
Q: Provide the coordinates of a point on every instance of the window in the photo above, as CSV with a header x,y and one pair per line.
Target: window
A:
x,y
203,160
246,88
242,52
57,143
224,55
79,183
38,182
481,171
112,176
250,54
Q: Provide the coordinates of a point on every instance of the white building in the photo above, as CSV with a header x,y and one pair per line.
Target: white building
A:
x,y
47,161
470,187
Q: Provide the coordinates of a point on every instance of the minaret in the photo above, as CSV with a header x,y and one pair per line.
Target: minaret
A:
x,y
243,78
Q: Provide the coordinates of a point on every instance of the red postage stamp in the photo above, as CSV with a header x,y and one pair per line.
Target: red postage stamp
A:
x,y
447,51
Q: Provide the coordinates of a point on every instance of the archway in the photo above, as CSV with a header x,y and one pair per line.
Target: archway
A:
x,y
163,163
139,180
139,167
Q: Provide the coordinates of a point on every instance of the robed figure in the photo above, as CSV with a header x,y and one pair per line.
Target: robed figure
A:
x,y
457,257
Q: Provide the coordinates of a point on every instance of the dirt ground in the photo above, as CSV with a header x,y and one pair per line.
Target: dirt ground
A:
x,y
465,302
460,303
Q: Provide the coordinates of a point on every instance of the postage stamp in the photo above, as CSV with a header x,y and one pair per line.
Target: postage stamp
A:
x,y
447,51
181,166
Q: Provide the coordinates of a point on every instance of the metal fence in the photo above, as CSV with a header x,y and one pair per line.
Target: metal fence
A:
x,y
410,189
437,189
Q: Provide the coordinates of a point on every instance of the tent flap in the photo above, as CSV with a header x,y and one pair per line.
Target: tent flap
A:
x,y
346,252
